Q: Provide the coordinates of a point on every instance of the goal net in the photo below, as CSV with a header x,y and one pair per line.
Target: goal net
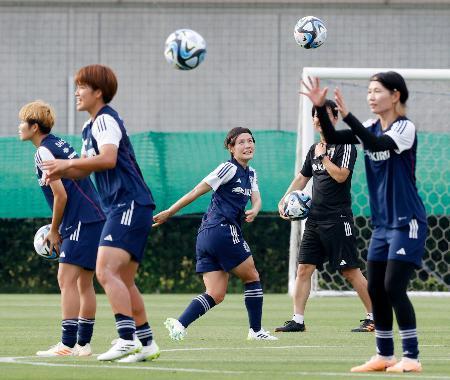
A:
x,y
429,109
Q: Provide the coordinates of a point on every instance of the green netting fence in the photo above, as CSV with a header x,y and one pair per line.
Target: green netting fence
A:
x,y
173,163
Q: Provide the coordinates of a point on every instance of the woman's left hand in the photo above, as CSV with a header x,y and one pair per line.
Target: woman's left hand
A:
x,y
54,169
250,215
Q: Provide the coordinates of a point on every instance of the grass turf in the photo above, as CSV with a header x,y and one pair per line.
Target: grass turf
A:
x,y
216,345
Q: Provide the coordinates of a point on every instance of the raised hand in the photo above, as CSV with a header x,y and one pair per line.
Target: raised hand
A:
x,y
342,108
313,91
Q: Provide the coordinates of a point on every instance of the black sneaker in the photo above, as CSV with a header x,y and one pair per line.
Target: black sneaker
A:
x,y
291,326
367,325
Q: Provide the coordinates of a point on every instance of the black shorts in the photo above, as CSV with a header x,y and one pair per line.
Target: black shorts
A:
x,y
332,241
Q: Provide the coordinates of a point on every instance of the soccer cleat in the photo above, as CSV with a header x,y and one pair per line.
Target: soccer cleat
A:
x,y
367,325
291,326
260,335
176,330
120,349
83,350
406,365
59,349
376,363
147,353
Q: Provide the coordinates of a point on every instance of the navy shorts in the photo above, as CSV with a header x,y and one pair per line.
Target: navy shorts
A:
x,y
127,227
81,245
220,248
334,242
406,243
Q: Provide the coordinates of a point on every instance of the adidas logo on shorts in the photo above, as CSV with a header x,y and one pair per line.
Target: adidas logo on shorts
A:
x,y
109,238
343,262
63,254
401,251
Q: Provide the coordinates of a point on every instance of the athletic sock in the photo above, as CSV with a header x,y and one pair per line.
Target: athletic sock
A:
x,y
385,342
410,343
85,330
198,306
254,302
125,326
69,332
299,318
144,334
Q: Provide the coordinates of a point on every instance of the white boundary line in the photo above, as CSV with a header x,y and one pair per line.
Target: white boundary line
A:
x,y
26,360
14,360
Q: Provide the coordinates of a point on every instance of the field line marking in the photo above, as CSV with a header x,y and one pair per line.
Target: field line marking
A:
x,y
196,370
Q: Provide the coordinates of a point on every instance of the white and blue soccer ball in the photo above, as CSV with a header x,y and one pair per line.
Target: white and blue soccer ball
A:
x,y
310,32
296,205
185,49
42,249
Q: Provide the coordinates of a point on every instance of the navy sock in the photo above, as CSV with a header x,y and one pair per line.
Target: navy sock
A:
x,y
410,343
125,326
199,306
69,332
144,334
385,342
85,330
253,302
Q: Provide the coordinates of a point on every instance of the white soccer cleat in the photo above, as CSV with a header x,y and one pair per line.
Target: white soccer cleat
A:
x,y
147,353
57,350
260,335
176,330
85,350
120,349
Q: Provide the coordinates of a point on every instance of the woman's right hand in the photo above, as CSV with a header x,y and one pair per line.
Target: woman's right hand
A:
x,y
342,108
161,218
281,210
316,94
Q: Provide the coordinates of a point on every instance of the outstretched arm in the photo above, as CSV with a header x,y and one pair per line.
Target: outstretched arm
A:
x,y
197,191
370,141
317,95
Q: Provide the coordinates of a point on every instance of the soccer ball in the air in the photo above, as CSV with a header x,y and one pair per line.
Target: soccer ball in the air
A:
x,y
185,49
296,205
310,32
42,249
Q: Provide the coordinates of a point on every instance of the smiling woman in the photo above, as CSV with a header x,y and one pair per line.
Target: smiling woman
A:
x,y
221,248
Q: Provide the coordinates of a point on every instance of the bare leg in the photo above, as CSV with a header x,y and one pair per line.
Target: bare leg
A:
x,y
359,283
70,298
302,287
110,262
88,303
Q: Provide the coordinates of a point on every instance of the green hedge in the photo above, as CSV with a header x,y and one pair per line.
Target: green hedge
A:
x,y
169,264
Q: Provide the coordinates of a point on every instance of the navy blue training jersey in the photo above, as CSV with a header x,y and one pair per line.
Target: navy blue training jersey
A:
x,y
83,203
124,183
233,186
391,179
330,199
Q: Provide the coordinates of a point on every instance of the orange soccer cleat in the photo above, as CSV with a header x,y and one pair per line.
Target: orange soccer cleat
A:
x,y
376,363
406,365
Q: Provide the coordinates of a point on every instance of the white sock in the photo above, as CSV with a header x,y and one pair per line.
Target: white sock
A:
x,y
369,316
299,318
385,357
404,358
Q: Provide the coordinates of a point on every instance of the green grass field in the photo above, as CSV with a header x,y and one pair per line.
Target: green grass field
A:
x,y
216,346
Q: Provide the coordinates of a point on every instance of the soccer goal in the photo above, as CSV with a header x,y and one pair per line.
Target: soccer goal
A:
x,y
429,109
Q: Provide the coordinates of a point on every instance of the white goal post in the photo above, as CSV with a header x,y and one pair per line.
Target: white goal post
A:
x,y
305,135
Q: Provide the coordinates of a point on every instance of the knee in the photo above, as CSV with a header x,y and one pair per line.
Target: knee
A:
x,y
218,297
305,271
102,275
350,274
65,282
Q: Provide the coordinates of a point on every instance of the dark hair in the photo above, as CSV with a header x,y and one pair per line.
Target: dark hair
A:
x,y
44,129
98,77
393,81
233,134
329,104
